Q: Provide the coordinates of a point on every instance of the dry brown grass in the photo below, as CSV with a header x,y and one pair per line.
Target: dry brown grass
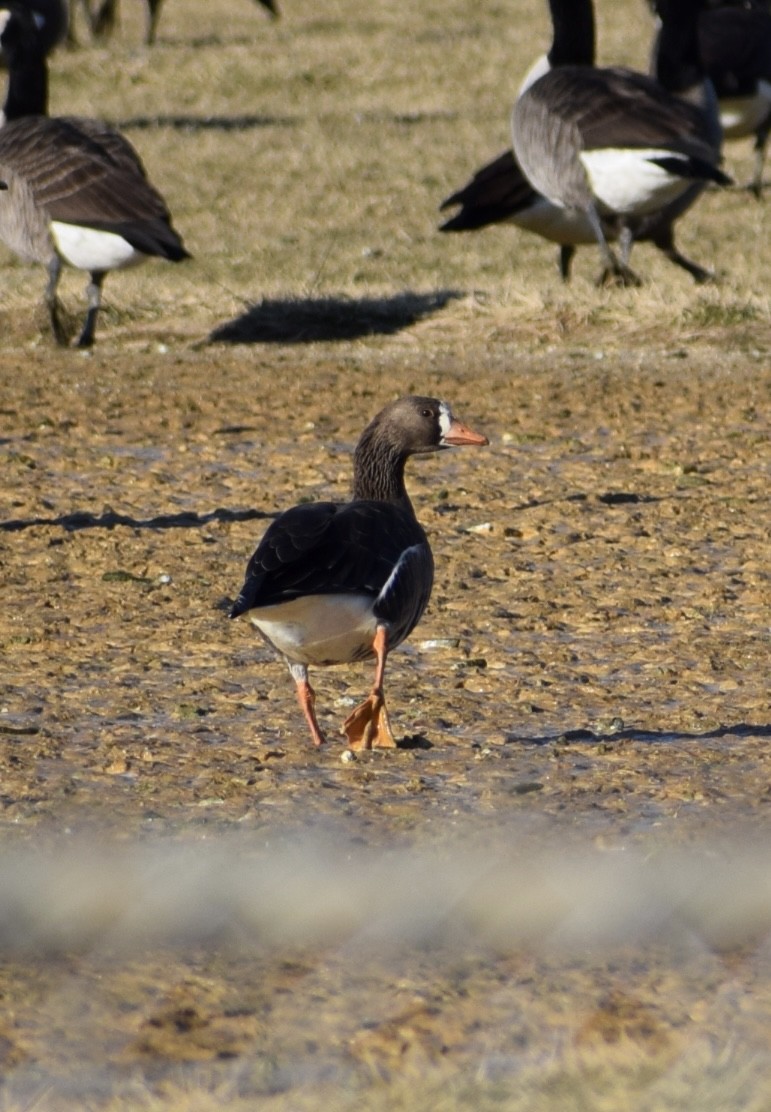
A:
x,y
306,159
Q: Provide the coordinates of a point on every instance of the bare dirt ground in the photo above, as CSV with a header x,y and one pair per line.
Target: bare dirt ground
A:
x,y
591,677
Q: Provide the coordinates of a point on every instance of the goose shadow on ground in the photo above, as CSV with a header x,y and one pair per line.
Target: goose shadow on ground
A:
x,y
109,519
585,735
244,122
311,319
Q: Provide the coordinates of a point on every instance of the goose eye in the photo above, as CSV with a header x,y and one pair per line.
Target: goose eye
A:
x,y
427,413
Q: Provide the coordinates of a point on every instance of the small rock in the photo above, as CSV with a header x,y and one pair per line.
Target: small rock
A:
x,y
439,643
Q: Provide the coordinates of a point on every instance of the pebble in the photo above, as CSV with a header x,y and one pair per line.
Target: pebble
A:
x,y
439,643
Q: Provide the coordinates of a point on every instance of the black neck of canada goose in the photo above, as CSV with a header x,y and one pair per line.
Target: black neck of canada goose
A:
x,y
23,53
677,61
678,65
573,40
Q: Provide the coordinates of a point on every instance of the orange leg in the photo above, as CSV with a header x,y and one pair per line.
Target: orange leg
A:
x,y
307,699
368,727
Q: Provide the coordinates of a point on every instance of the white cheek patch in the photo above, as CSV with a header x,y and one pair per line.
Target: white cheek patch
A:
x,y
5,16
445,419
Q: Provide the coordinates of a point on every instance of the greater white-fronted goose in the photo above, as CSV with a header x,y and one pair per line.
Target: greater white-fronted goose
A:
x,y
619,147
332,583
74,189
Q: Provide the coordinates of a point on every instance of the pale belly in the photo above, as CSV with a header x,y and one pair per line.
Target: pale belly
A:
x,y
565,226
88,249
628,182
319,629
740,116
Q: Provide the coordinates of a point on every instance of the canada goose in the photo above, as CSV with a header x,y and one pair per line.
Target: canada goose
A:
x,y
500,193
618,146
735,44
75,189
51,19
101,19
332,583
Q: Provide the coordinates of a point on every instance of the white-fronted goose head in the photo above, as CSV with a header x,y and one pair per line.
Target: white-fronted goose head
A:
x,y
75,190
620,147
332,583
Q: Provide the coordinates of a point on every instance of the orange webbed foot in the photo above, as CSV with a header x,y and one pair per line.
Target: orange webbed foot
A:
x,y
368,725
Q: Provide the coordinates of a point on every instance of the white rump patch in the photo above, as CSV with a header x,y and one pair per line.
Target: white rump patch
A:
x,y
89,249
628,182
319,629
740,116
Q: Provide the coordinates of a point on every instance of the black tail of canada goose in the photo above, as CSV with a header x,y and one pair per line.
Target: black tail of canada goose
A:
x,y
500,192
77,191
615,147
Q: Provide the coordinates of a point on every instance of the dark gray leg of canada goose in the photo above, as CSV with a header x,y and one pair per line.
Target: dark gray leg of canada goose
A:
x,y
566,258
153,15
52,301
103,20
615,271
665,241
756,186
94,295
270,6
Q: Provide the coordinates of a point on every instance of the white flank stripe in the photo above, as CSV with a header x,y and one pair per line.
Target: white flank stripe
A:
x,y
404,557
89,249
628,182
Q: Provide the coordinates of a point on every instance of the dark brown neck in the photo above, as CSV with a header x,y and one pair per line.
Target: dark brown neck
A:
x,y
378,470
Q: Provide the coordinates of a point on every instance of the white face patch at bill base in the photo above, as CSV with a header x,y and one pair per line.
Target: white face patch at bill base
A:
x,y
90,249
445,419
629,182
